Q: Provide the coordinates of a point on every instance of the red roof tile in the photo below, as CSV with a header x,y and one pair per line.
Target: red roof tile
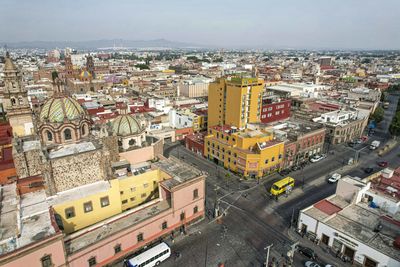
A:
x,y
327,207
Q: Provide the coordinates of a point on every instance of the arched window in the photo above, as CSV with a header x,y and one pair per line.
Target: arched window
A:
x,y
131,142
12,101
83,130
49,135
119,142
67,134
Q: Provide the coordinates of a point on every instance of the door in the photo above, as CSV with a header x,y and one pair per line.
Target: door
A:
x,y
325,239
370,263
349,252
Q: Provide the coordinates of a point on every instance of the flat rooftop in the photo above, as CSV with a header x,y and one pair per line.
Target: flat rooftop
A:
x,y
86,237
31,210
179,171
67,150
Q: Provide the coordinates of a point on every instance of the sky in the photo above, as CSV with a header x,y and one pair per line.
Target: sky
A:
x,y
342,24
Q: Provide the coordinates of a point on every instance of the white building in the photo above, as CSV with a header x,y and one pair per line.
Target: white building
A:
x,y
196,87
360,221
298,89
183,119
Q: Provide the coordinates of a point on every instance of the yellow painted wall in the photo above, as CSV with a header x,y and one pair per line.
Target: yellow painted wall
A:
x,y
235,89
120,190
232,150
98,213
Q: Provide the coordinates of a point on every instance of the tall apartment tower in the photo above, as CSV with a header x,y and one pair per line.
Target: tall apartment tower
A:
x,y
15,100
235,101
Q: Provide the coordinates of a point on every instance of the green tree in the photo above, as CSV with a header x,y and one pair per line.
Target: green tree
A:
x,y
142,66
394,127
377,116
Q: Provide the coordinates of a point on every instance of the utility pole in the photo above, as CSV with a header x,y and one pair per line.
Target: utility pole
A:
x,y
267,259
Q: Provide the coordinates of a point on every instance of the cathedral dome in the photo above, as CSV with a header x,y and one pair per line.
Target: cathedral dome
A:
x,y
56,109
125,125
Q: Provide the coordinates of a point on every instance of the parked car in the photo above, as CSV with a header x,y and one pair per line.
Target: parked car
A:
x,y
317,158
311,264
295,168
368,170
334,178
308,252
351,144
383,164
358,141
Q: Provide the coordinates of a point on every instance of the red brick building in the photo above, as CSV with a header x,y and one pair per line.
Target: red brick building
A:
x,y
195,142
275,110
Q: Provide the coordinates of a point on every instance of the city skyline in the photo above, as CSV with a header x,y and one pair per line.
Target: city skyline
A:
x,y
269,24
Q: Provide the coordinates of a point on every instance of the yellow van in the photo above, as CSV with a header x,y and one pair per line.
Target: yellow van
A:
x,y
280,187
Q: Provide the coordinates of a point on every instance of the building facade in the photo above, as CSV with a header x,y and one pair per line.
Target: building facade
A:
x,y
253,153
275,110
235,101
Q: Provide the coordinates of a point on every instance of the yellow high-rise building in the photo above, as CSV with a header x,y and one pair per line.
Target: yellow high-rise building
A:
x,y
235,101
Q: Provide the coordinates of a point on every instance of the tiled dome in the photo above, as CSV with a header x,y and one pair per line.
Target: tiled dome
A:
x,y
56,109
125,125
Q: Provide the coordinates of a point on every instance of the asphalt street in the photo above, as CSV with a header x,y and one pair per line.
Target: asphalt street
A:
x,y
252,219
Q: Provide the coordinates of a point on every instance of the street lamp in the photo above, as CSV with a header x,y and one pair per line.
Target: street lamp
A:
x,y
267,248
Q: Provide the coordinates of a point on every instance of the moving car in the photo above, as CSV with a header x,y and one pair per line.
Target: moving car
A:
x,y
308,252
383,164
311,264
334,178
317,158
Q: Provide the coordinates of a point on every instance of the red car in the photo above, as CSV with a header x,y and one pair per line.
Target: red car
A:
x,y
383,164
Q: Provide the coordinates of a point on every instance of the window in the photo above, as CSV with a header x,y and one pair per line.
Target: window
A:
x,y
121,192
182,216
46,261
133,189
266,161
131,142
70,212
49,136
92,261
143,195
83,130
104,202
273,159
280,156
67,134
139,237
195,193
195,209
87,206
145,185
164,225
124,201
132,199
117,248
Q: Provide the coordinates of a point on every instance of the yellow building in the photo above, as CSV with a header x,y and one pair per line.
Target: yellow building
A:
x,y
81,207
235,101
251,153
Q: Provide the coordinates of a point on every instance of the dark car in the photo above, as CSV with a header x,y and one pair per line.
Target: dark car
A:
x,y
308,252
284,172
368,170
383,164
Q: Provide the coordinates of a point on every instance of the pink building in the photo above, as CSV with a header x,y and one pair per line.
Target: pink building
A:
x,y
181,202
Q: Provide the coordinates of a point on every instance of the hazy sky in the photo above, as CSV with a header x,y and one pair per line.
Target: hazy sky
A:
x,y
230,23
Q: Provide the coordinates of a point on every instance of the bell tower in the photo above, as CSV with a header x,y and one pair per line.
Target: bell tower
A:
x,y
15,100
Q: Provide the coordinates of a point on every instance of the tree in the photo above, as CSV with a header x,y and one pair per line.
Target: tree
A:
x,y
377,116
394,127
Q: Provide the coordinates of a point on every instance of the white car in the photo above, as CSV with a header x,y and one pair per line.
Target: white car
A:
x,y
316,158
334,178
311,264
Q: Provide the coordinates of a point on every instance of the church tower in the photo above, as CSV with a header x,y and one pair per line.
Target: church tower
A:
x,y
90,66
69,67
15,100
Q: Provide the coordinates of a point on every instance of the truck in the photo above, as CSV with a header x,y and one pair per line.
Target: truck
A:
x,y
374,145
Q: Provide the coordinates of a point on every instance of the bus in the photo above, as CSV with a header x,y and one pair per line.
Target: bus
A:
x,y
151,257
280,186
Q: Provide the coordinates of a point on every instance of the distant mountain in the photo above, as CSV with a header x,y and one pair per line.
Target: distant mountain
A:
x,y
95,44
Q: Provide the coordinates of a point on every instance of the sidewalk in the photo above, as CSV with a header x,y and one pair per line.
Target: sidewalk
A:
x,y
325,255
